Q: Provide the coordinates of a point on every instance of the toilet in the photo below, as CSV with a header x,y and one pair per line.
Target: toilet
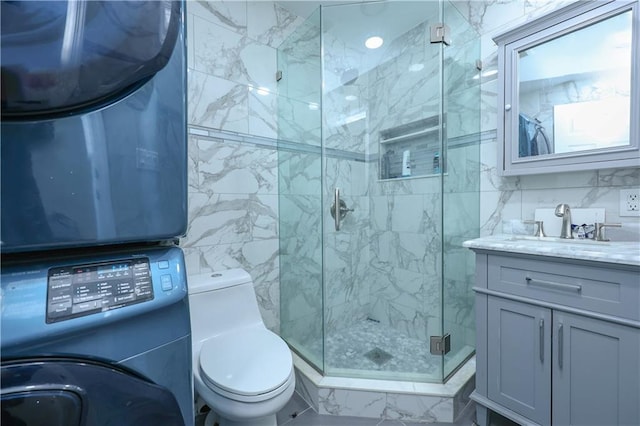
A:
x,y
242,371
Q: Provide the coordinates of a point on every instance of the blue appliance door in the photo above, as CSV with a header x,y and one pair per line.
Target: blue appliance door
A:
x,y
69,392
93,143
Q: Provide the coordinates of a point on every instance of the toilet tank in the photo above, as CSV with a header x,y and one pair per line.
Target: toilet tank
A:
x,y
221,301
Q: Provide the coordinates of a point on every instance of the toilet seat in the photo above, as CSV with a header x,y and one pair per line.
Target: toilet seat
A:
x,y
251,364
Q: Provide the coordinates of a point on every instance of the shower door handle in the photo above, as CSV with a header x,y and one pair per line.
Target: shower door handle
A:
x,y
339,205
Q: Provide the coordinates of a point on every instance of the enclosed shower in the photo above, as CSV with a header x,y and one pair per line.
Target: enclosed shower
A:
x,y
379,180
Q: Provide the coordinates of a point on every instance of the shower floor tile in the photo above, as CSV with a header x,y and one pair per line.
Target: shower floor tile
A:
x,y
346,353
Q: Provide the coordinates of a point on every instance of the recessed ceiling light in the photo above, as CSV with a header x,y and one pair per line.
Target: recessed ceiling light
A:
x,y
314,106
350,98
416,67
374,42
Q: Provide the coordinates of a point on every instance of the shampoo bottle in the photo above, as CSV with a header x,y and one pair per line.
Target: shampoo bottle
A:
x,y
406,163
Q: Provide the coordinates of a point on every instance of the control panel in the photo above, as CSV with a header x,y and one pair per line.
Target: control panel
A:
x,y
79,290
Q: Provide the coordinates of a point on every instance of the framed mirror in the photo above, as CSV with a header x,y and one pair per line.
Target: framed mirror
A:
x,y
568,94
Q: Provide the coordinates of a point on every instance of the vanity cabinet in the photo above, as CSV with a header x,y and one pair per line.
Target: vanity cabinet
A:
x,y
558,340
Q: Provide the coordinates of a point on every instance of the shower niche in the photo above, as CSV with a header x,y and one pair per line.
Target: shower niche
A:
x,y
412,150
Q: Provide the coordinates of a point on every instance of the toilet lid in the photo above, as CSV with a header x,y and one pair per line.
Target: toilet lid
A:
x,y
247,362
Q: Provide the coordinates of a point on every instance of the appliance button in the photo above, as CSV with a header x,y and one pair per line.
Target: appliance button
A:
x,y
166,282
163,264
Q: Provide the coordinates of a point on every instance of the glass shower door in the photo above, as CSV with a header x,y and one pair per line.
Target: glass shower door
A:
x,y
300,192
461,186
387,138
382,148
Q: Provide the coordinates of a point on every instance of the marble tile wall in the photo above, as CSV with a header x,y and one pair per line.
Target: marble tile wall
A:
x,y
234,209
233,184
507,198
375,265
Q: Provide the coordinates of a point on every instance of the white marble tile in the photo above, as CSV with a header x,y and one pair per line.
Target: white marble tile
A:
x,y
229,14
304,386
488,15
226,167
619,177
414,407
300,173
299,121
489,105
230,218
260,62
560,180
407,213
229,55
351,403
497,206
217,103
536,8
263,113
490,179
405,288
192,164
463,168
463,116
216,51
270,23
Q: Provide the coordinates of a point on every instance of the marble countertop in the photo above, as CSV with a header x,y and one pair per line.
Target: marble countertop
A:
x,y
621,252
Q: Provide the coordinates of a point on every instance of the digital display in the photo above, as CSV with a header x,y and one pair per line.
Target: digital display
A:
x,y
75,291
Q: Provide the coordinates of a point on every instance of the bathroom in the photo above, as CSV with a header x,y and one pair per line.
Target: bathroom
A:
x,y
234,186
244,82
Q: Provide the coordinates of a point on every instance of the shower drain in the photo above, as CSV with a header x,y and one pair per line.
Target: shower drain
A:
x,y
378,356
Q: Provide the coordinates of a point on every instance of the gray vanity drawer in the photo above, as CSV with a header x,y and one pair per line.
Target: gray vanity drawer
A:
x,y
595,288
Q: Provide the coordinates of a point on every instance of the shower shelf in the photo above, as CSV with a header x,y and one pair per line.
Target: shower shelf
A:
x,y
420,142
410,135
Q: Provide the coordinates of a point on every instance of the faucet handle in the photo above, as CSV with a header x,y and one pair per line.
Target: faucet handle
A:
x,y
539,228
599,234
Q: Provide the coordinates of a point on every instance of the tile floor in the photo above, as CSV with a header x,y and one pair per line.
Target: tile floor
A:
x,y
298,413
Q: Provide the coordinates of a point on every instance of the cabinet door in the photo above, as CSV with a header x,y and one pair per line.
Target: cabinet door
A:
x,y
596,372
519,358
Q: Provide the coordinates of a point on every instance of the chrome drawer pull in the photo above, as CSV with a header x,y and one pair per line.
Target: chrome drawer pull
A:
x,y
551,284
542,341
560,345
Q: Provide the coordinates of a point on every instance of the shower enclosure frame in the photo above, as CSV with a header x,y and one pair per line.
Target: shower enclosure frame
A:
x,y
324,144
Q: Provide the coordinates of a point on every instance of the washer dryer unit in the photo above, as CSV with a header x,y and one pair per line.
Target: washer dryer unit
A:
x,y
100,340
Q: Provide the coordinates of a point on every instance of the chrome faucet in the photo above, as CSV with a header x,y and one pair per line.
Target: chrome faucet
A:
x,y
563,211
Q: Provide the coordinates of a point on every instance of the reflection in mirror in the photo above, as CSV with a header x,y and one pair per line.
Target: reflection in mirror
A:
x,y
574,90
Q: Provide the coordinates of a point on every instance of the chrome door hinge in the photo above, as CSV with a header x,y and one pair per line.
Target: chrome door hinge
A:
x,y
440,33
440,345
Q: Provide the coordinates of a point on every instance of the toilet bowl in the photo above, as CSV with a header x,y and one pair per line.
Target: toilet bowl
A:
x,y
242,371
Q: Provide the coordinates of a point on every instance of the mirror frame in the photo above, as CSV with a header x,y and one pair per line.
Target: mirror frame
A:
x,y
567,19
